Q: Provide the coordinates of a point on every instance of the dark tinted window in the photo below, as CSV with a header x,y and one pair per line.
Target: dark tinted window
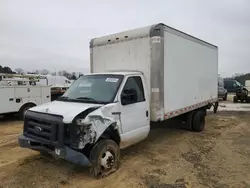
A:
x,y
135,83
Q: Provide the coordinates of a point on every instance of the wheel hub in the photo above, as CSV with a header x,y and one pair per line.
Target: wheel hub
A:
x,y
107,160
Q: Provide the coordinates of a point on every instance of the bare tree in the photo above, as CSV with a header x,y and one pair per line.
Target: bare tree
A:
x,y
19,71
53,73
64,73
6,70
44,72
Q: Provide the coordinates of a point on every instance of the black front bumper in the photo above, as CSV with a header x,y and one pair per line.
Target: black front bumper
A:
x,y
63,152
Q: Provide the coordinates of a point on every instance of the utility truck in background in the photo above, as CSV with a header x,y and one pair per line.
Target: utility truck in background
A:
x,y
144,75
18,93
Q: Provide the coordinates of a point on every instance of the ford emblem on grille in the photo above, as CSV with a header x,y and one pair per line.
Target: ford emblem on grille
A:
x,y
38,129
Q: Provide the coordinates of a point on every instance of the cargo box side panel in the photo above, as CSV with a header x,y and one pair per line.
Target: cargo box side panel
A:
x,y
190,72
128,55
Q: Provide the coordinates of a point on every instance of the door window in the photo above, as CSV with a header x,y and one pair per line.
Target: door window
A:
x,y
133,91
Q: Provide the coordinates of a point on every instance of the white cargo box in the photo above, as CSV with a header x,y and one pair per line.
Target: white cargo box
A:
x,y
181,71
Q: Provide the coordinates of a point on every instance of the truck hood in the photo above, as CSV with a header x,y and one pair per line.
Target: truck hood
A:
x,y
69,110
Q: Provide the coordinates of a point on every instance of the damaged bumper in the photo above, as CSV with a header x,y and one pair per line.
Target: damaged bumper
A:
x,y
65,152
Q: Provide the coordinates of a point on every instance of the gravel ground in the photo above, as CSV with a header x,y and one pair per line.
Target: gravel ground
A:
x,y
169,158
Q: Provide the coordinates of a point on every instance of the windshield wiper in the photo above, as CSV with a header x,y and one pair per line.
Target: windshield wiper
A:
x,y
63,98
86,98
89,99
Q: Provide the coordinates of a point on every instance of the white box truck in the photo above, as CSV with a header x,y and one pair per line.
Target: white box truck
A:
x,y
148,74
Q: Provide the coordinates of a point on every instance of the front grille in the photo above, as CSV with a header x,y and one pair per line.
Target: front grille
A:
x,y
44,127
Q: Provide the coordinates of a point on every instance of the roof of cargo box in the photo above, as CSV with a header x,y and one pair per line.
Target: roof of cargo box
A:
x,y
150,31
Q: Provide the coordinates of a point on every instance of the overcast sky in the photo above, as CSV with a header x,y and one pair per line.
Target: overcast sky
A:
x,y
55,34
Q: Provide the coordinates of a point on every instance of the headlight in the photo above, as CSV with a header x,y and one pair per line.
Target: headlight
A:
x,y
80,122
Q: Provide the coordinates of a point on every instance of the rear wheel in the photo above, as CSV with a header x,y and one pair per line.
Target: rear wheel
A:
x,y
104,157
225,97
199,121
248,99
189,120
23,109
235,99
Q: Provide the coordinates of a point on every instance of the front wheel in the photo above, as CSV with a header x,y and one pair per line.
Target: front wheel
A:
x,y
104,157
23,109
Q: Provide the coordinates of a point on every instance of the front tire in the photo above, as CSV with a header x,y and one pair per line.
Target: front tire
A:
x,y
45,154
104,157
23,109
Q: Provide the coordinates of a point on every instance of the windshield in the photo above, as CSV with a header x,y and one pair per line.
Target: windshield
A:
x,y
93,89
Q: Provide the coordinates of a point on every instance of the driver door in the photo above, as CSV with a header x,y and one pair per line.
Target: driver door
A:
x,y
134,112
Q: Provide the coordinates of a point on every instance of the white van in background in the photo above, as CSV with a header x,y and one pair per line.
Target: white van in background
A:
x,y
247,85
55,81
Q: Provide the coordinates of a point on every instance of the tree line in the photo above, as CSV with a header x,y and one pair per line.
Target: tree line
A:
x,y
69,75
241,78
6,70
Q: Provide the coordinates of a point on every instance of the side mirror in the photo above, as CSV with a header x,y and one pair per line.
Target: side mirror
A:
x,y
129,96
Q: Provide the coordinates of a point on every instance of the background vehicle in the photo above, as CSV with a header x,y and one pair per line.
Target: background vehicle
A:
x,y
58,84
222,92
137,76
57,91
231,85
19,93
241,95
54,81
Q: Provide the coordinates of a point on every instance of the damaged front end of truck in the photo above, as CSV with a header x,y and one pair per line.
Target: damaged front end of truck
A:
x,y
74,140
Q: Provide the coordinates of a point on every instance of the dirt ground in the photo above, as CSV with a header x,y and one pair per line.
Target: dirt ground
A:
x,y
169,158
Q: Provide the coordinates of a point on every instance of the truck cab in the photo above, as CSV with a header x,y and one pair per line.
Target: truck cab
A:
x,y
99,113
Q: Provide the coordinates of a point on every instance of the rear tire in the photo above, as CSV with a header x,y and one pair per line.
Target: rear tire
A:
x,y
189,120
23,109
199,121
104,157
235,99
225,97
248,99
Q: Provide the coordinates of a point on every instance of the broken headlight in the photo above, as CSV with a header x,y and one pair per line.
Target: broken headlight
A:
x,y
80,122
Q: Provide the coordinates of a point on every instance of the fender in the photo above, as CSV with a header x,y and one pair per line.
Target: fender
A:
x,y
97,122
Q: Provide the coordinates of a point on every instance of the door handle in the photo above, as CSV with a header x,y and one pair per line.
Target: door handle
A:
x,y
147,113
11,99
